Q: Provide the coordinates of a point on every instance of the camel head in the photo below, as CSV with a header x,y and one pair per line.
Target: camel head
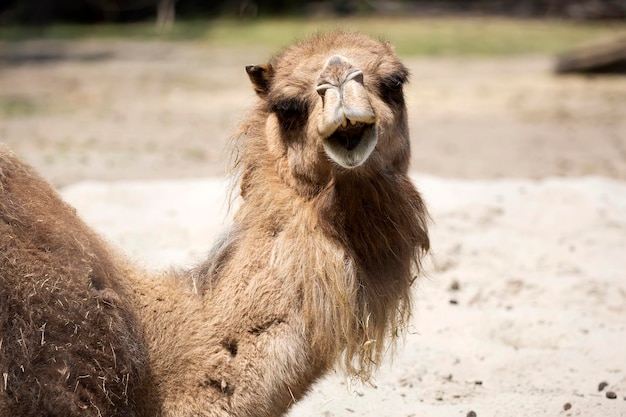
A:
x,y
333,104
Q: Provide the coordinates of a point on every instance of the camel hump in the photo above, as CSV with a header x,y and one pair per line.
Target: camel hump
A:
x,y
35,220
69,342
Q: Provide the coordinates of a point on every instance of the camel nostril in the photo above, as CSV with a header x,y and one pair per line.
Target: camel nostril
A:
x,y
356,76
321,88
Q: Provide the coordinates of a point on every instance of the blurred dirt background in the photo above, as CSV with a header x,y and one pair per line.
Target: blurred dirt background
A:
x,y
115,109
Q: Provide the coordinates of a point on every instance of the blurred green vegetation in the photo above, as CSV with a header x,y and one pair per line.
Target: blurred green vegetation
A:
x,y
17,106
411,36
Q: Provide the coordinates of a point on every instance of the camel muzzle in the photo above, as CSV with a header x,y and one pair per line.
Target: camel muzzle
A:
x,y
348,122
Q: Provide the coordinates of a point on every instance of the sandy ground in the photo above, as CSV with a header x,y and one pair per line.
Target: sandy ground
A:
x,y
524,307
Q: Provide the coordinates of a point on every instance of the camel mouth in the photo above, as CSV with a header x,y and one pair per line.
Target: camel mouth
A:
x,y
348,136
351,143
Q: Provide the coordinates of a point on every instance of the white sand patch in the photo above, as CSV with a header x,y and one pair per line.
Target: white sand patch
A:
x,y
540,313
160,223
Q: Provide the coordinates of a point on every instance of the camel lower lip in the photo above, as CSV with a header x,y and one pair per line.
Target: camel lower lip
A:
x,y
350,146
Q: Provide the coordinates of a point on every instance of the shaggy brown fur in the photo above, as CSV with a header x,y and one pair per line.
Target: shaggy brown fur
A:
x,y
69,340
316,267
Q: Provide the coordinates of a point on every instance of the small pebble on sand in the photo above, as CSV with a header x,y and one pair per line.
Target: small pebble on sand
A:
x,y
567,406
453,302
471,414
455,286
602,385
611,395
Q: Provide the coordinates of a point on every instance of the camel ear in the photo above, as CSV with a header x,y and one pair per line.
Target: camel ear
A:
x,y
261,77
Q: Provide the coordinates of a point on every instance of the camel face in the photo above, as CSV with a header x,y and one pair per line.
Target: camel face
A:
x,y
335,104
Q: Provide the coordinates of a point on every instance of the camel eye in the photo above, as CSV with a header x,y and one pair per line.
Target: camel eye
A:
x,y
291,108
292,112
391,89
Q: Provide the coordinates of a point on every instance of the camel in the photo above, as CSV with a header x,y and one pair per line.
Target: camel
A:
x,y
315,271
